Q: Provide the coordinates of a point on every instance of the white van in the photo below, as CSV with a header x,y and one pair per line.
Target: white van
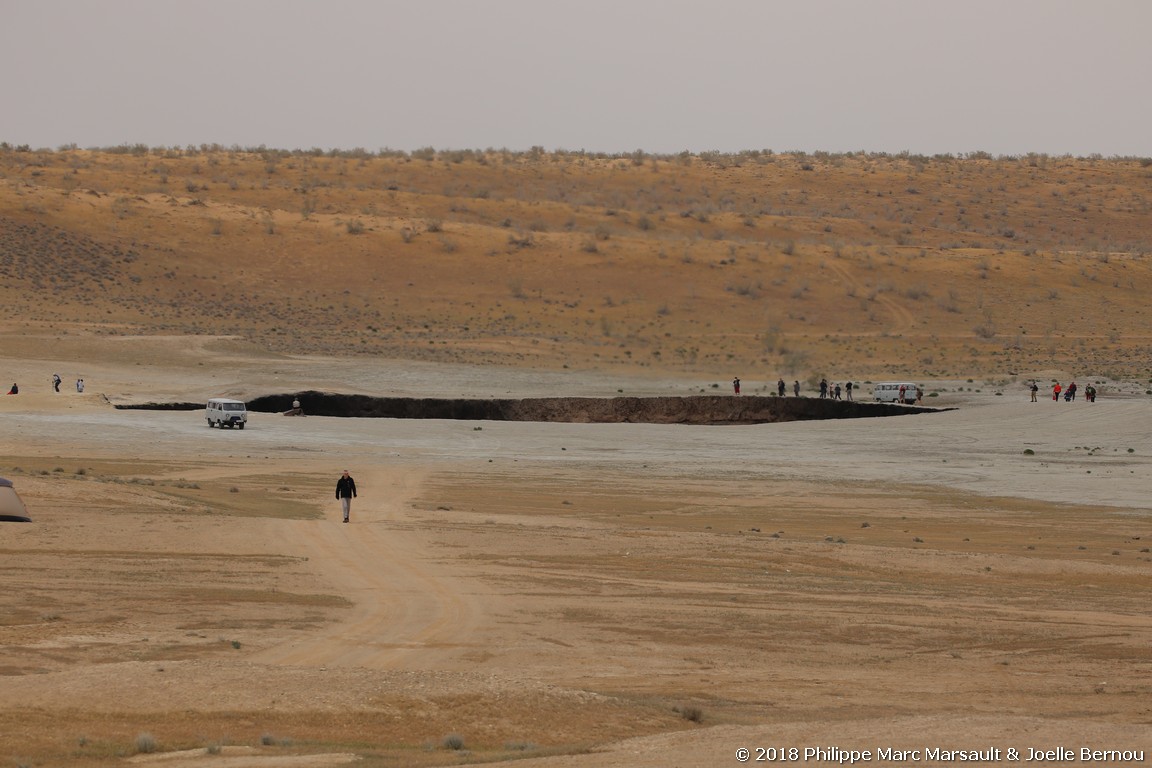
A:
x,y
222,412
889,391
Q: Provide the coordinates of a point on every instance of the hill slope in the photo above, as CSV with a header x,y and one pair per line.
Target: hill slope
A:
x,y
756,264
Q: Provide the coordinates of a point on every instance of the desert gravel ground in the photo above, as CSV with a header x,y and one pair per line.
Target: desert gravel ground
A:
x,y
565,594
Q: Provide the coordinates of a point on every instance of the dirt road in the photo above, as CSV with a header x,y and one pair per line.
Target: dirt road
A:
x,y
409,611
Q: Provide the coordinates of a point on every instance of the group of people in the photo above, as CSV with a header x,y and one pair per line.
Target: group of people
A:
x,y
915,397
828,391
834,392
780,387
56,382
1069,392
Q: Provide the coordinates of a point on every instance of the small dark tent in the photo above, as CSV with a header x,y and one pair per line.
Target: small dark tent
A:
x,y
12,509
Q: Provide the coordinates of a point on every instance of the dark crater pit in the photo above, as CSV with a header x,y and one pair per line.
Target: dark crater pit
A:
x,y
701,409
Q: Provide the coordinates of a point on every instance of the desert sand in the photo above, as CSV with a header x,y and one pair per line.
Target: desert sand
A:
x,y
559,594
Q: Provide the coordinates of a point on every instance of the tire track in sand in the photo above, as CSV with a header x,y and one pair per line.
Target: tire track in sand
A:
x,y
407,610
902,319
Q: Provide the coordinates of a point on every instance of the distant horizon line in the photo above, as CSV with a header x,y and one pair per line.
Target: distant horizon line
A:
x,y
430,152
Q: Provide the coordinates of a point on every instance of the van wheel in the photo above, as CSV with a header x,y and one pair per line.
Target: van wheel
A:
x,y
241,425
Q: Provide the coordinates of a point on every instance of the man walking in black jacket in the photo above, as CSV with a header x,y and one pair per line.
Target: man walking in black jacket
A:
x,y
346,491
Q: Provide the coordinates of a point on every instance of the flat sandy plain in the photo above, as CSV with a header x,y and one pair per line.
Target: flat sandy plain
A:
x,y
558,594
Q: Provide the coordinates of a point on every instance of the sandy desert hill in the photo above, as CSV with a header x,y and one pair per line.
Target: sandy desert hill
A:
x,y
754,264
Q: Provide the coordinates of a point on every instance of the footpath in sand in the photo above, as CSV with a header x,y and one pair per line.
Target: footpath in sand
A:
x,y
405,610
572,594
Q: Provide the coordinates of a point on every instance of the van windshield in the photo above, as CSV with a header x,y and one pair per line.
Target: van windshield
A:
x,y
233,406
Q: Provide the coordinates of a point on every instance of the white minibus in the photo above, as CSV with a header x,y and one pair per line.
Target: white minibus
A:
x,y
222,412
889,391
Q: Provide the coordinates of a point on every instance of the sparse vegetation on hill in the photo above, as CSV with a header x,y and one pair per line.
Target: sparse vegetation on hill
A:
x,y
766,264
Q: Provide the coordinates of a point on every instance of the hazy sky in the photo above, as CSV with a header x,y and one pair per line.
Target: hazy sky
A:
x,y
927,76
